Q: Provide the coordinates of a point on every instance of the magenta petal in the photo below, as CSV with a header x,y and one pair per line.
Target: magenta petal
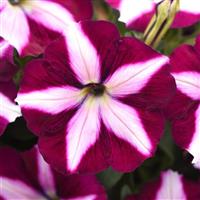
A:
x,y
57,54
9,111
41,81
138,20
16,177
80,187
39,38
170,185
66,186
121,150
184,19
102,40
183,110
123,52
7,67
30,178
81,10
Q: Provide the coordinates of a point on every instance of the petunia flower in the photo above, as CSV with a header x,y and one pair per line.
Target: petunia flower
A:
x,y
27,176
9,111
95,99
137,14
170,185
29,25
184,109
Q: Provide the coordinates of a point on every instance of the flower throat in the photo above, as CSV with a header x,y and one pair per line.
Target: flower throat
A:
x,y
95,89
15,2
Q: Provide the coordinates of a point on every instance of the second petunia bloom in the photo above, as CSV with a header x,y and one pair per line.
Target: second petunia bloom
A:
x,y
137,14
95,99
184,109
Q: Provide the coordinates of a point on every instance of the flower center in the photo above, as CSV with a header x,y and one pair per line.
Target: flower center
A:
x,y
95,89
15,2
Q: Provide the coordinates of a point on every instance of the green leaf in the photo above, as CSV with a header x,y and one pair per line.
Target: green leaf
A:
x,y
109,177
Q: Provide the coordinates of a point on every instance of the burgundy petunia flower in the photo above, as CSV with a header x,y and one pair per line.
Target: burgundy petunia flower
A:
x,y
8,110
95,99
184,109
137,14
28,176
170,185
29,25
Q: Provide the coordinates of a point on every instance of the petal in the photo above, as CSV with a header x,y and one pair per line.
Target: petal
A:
x,y
41,76
56,184
121,158
191,7
185,19
77,187
188,83
81,10
52,100
171,187
103,41
122,52
45,176
181,112
39,38
189,62
193,147
83,57
125,124
131,10
6,50
12,31
9,111
7,67
131,78
82,132
90,35
13,189
15,181
52,15
57,54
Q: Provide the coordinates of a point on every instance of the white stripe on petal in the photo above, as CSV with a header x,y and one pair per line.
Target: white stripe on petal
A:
x,y
171,187
45,176
8,109
50,14
82,131
88,197
188,83
195,142
16,29
125,124
52,100
83,56
131,78
130,10
18,190
191,6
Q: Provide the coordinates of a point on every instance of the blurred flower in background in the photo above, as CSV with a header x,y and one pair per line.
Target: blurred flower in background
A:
x,y
170,185
138,13
184,109
32,25
27,176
